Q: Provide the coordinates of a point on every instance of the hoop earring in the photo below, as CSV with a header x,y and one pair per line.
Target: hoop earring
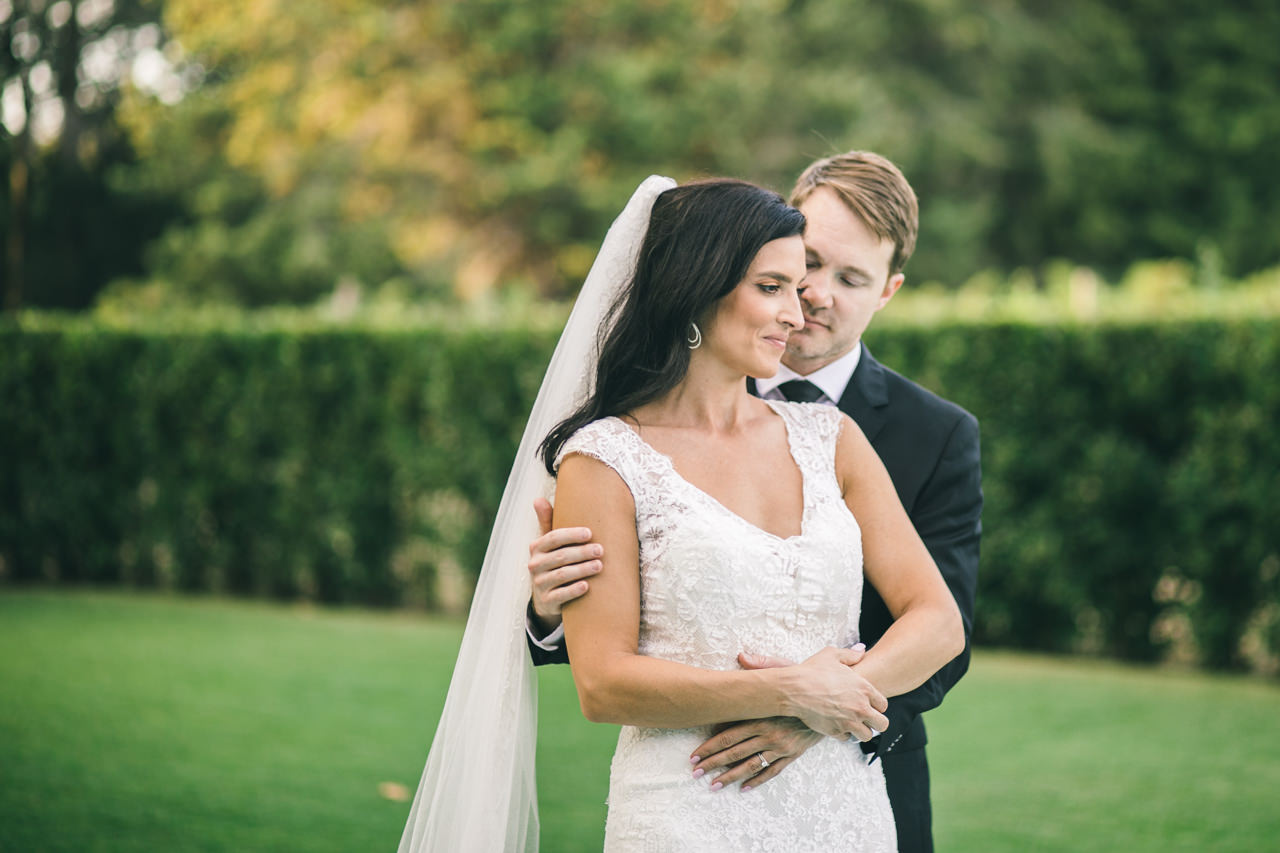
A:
x,y
695,336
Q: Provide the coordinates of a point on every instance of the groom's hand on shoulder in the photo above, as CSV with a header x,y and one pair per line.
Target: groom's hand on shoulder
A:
x,y
559,563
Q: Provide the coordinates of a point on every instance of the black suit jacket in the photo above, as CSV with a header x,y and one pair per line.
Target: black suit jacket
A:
x,y
930,448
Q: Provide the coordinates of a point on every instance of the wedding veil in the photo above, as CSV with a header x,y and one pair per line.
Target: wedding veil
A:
x,y
478,790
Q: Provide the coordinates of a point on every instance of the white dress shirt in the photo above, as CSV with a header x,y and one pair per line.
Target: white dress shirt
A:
x,y
552,641
831,380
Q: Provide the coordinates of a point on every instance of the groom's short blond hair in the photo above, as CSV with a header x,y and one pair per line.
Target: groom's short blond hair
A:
x,y
875,191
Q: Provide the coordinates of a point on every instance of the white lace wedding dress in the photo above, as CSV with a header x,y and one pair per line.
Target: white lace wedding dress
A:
x,y
714,585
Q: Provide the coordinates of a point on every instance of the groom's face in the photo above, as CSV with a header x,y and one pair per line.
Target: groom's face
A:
x,y
847,282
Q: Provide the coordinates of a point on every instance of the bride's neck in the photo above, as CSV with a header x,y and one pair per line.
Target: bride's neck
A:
x,y
708,399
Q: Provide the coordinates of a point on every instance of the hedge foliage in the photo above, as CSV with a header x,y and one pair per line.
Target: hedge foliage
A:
x,y
339,465
1131,471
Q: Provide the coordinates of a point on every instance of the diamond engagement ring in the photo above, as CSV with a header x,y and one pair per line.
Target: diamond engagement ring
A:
x,y
764,762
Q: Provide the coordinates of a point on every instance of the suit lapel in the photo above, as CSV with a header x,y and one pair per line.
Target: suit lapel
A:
x,y
866,395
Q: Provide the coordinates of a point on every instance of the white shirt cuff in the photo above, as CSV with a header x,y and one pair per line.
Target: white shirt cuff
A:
x,y
549,643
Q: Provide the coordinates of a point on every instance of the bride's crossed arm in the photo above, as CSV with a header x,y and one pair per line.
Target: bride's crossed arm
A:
x,y
616,684
925,635
927,631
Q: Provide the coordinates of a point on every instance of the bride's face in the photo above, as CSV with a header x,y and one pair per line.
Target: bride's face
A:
x,y
750,327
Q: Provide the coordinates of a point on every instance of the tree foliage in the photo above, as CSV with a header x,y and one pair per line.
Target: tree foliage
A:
x,y
459,145
68,226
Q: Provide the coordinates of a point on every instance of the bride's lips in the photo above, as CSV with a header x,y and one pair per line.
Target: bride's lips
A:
x,y
779,341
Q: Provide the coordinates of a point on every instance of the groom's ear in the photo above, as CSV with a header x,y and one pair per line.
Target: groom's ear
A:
x,y
890,288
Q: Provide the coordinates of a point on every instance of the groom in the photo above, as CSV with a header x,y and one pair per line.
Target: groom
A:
x,y
862,222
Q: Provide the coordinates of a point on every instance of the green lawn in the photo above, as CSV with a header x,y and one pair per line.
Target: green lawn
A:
x,y
142,723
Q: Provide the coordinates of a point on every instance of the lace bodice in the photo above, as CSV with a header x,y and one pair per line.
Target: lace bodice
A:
x,y
714,585
702,603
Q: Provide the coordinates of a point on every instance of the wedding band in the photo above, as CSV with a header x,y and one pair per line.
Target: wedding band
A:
x,y
764,762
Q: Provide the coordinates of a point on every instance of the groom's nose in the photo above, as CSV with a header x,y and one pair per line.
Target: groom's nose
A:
x,y
816,293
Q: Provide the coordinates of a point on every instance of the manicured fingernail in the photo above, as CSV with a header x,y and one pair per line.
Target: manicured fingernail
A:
x,y
697,774
859,647
746,788
716,786
694,759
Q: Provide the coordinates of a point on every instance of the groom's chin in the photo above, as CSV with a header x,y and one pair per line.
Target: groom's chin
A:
x,y
804,343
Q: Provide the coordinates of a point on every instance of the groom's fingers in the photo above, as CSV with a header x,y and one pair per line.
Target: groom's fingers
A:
x,y
570,555
553,589
747,661
559,561
549,543
565,584
879,722
562,550
865,730
850,657
542,509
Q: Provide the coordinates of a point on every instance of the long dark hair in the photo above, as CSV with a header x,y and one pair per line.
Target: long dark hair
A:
x,y
701,239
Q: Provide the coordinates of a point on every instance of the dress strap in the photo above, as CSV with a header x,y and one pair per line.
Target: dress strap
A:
x,y
812,430
612,442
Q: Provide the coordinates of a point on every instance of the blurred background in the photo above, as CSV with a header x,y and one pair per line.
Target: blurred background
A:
x,y
280,281
267,153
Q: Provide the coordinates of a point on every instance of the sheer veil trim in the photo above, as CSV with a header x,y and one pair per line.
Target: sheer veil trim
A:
x,y
478,789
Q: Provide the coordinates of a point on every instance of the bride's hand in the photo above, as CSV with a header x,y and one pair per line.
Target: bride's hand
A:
x,y
832,699
753,751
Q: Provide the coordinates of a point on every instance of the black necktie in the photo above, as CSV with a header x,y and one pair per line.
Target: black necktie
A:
x,y
800,391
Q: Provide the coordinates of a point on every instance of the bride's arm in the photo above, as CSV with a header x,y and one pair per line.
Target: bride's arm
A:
x,y
926,632
618,685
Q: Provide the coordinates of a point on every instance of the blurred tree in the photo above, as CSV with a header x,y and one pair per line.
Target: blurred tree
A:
x,y
1093,131
68,230
461,145
1143,130
486,141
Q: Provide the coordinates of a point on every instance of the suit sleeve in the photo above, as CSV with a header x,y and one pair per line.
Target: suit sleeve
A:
x,y
540,655
948,517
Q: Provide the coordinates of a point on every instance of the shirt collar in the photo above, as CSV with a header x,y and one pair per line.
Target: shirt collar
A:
x,y
831,380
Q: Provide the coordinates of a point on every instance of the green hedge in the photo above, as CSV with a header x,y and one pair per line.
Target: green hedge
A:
x,y
338,465
1131,476
1131,472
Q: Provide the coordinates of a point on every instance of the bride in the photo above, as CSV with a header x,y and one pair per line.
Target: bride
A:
x,y
729,525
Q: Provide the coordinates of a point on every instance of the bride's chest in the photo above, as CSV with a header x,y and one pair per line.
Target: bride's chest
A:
x,y
697,556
